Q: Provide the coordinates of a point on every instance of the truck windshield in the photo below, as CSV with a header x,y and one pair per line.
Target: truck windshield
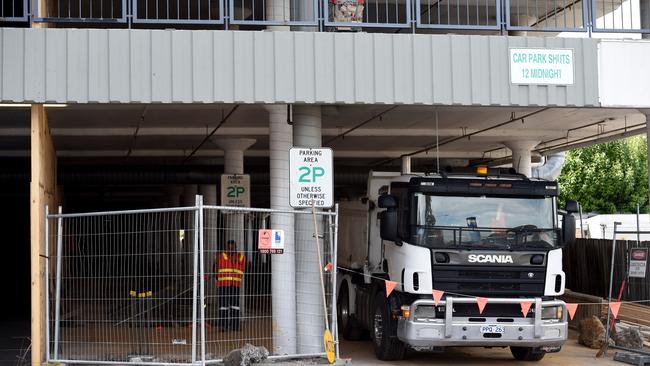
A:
x,y
483,222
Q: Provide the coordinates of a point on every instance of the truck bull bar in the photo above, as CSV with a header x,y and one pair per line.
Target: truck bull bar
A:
x,y
463,330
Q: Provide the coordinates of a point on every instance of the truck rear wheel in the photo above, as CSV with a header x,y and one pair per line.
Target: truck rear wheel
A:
x,y
348,325
526,354
384,332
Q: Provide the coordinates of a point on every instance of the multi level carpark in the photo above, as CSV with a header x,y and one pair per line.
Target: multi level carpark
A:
x,y
122,112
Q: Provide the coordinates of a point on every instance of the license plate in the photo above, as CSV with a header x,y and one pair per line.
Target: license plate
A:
x,y
492,329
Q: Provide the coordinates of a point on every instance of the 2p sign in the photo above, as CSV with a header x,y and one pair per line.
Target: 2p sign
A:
x,y
235,190
311,177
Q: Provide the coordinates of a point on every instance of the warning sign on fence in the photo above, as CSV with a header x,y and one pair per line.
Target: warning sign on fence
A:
x,y
638,262
270,241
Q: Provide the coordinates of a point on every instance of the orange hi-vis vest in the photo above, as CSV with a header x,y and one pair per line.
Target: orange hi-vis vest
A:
x,y
230,269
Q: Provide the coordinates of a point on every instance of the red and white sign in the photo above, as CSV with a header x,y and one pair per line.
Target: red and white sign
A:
x,y
638,262
270,241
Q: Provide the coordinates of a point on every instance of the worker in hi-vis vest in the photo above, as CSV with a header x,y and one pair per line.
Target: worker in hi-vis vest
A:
x,y
230,273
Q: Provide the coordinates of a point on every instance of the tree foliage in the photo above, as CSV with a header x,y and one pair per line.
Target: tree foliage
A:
x,y
607,178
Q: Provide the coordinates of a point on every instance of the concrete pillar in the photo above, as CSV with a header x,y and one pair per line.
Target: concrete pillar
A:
x,y
172,263
310,320
173,194
283,266
278,10
521,155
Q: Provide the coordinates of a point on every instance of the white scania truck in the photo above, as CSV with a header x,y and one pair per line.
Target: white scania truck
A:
x,y
488,233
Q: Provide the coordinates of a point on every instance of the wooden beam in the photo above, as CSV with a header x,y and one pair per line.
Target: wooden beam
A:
x,y
42,192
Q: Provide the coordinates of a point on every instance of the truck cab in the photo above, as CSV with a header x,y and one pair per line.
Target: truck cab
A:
x,y
488,234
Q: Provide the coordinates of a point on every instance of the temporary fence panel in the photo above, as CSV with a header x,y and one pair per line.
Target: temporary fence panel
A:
x,y
350,14
459,14
80,11
619,16
547,16
178,11
123,288
13,10
162,286
239,308
273,12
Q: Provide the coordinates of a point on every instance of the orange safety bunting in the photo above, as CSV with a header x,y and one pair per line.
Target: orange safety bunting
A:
x,y
437,296
571,309
390,286
481,302
614,307
525,307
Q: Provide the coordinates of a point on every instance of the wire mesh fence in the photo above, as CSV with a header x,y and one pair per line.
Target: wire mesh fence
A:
x,y
178,11
459,14
185,285
274,12
13,10
80,11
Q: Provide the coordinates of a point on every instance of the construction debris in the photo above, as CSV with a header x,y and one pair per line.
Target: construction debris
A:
x,y
246,355
629,338
592,332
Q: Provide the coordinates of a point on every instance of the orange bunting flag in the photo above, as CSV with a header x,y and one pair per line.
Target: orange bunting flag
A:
x,y
614,307
328,266
525,307
390,286
437,295
571,309
481,302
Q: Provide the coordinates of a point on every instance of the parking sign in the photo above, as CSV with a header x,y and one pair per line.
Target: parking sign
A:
x,y
312,177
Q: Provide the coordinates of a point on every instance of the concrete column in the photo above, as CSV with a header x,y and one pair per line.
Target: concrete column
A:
x,y
310,320
283,266
521,155
173,194
234,164
171,264
278,10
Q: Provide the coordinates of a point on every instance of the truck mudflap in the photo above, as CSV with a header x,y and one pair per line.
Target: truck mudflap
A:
x,y
426,327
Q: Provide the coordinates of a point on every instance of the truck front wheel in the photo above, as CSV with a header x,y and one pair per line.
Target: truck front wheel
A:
x,y
384,332
526,354
348,325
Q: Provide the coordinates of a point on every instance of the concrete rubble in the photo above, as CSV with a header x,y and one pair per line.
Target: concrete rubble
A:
x,y
592,332
246,356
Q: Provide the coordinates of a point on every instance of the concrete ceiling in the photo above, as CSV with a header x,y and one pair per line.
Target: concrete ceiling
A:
x,y
155,133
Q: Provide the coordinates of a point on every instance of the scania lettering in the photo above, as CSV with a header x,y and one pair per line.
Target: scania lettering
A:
x,y
491,234
488,258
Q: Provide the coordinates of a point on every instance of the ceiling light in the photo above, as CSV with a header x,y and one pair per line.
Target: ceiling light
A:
x,y
24,105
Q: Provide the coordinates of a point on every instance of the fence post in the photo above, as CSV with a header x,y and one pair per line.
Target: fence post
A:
x,y
197,226
335,230
199,206
57,298
611,280
47,286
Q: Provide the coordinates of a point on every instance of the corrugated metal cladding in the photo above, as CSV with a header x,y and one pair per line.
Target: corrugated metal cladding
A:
x,y
182,66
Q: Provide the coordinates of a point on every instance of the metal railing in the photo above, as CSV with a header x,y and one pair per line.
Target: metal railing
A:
x,y
547,16
155,286
13,10
459,14
368,13
178,11
554,16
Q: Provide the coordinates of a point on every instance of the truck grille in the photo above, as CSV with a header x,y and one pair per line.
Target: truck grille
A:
x,y
490,281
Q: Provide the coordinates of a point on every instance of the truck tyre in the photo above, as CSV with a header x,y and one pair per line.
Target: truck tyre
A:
x,y
384,332
348,326
526,354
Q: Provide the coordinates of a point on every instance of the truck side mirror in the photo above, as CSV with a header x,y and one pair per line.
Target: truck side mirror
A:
x,y
572,207
387,201
388,224
568,228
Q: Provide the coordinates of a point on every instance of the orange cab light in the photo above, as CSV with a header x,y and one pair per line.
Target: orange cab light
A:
x,y
406,311
482,170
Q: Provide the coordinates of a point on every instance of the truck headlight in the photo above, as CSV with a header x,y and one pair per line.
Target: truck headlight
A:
x,y
552,312
425,312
